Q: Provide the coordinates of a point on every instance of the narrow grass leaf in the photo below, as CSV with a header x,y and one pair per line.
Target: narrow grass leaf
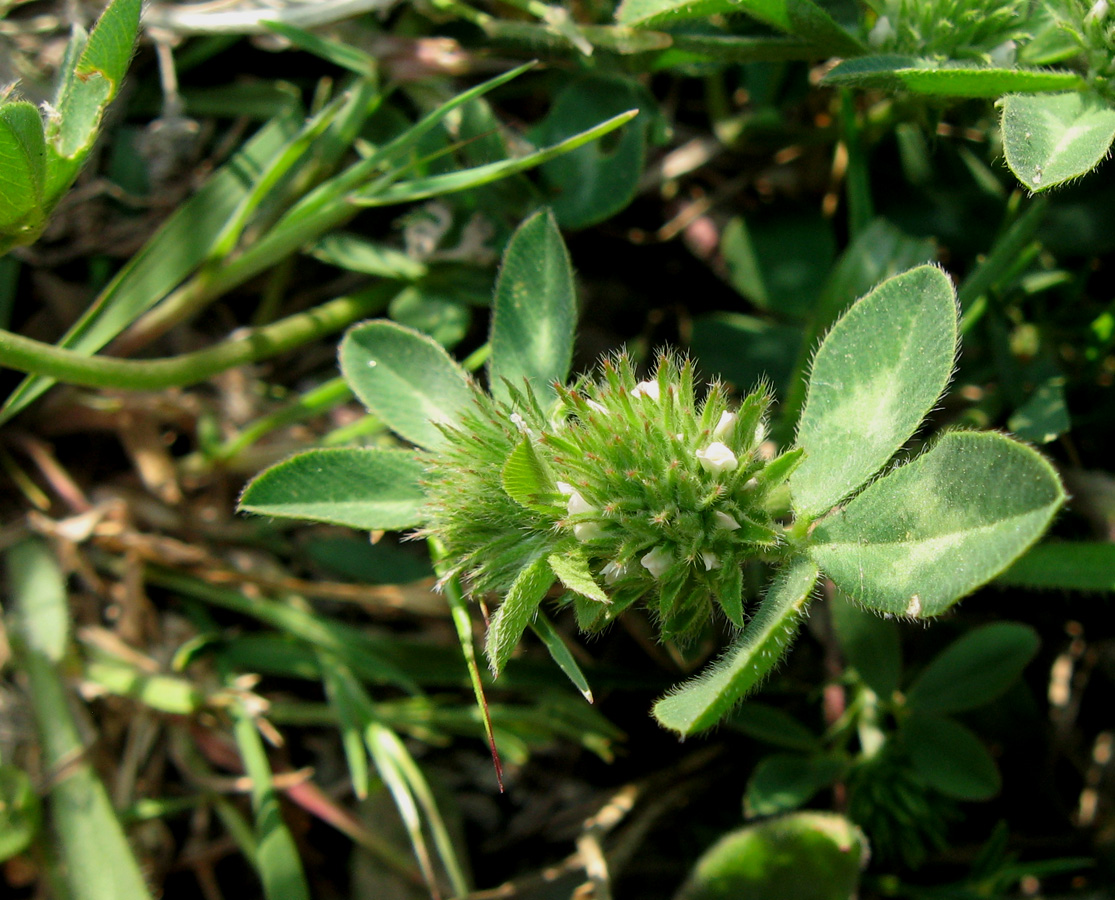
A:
x,y
277,859
701,702
344,55
97,863
405,378
875,376
534,313
935,529
387,193
177,248
560,653
351,722
516,612
975,669
1049,139
384,752
362,487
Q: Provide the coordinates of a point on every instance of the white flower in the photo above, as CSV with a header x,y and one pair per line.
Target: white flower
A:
x,y
725,425
723,520
882,33
717,458
1004,55
520,423
578,505
646,389
613,572
657,561
711,560
598,407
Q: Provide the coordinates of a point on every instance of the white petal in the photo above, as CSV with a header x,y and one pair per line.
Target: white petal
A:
x,y
600,408
725,425
646,389
587,531
657,561
578,504
566,488
711,560
723,520
717,458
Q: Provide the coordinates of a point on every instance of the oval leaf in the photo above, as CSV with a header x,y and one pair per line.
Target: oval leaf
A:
x,y
935,529
875,376
804,856
950,758
701,702
534,313
22,165
785,781
406,379
1049,139
975,669
368,488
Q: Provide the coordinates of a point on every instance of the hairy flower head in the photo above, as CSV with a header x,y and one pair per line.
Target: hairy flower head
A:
x,y
635,491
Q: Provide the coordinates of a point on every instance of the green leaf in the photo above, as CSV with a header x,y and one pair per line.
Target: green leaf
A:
x,y
451,182
946,79
362,487
516,611
523,476
801,18
870,645
701,702
950,758
95,860
804,856
975,669
935,529
277,857
772,725
534,314
87,90
428,310
560,653
785,781
875,376
406,379
744,349
1044,416
357,254
1070,566
20,811
571,567
177,248
22,169
598,180
1051,139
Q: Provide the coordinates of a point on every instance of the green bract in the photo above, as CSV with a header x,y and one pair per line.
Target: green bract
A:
x,y
617,490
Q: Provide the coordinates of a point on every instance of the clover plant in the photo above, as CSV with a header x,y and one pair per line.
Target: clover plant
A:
x,y
615,490
39,159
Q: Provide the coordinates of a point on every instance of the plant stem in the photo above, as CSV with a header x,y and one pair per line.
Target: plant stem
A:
x,y
38,358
